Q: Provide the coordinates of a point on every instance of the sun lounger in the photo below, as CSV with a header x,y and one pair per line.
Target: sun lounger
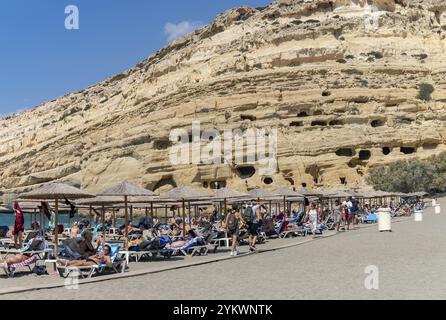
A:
x,y
293,232
34,256
118,265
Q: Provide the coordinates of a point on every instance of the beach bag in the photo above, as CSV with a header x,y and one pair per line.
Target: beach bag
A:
x,y
248,215
40,270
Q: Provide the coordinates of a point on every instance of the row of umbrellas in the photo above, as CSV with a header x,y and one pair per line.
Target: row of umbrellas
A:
x,y
125,191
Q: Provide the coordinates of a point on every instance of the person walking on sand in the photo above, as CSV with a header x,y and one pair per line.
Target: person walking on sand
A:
x,y
19,226
313,217
233,220
253,217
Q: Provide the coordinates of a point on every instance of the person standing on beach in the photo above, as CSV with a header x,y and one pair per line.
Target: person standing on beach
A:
x,y
233,220
346,206
313,217
337,214
252,217
19,226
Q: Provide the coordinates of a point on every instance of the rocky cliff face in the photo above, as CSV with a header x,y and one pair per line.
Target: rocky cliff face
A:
x,y
349,84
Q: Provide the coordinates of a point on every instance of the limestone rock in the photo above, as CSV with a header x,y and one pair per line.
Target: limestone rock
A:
x,y
340,80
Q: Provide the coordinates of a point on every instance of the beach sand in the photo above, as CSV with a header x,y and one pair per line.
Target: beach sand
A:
x,y
409,261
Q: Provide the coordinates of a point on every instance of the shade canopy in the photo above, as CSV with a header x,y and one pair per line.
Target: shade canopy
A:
x,y
56,190
126,188
184,193
285,192
227,193
306,192
261,193
99,201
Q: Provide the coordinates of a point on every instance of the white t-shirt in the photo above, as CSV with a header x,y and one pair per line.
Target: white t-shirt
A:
x,y
254,212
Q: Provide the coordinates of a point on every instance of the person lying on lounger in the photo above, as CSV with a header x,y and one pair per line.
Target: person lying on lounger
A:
x,y
18,258
97,259
33,245
192,237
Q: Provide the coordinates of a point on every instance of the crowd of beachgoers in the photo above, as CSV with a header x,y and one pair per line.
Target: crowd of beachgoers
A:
x,y
97,245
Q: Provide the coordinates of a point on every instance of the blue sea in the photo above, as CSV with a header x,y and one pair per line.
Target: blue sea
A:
x,y
7,219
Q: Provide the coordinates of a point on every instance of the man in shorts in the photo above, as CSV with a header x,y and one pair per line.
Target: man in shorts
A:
x,y
346,207
253,226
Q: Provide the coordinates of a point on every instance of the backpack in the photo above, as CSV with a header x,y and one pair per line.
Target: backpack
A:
x,y
232,222
40,270
354,206
248,215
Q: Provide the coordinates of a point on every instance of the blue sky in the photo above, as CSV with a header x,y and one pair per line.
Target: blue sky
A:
x,y
40,60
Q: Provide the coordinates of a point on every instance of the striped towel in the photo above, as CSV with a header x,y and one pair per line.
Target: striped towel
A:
x,y
24,263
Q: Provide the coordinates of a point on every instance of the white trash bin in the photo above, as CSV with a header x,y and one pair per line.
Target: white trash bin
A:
x,y
418,216
434,202
437,209
384,219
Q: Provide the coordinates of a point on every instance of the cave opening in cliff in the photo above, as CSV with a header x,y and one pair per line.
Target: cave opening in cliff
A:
x,y
245,172
376,123
408,150
165,181
162,144
343,180
218,184
268,180
248,117
336,123
318,123
314,171
345,152
205,184
364,155
302,114
296,124
386,150
326,93
430,146
304,185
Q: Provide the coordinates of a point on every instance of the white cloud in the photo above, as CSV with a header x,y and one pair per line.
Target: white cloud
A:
x,y
175,31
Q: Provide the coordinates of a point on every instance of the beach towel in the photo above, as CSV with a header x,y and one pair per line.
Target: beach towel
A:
x,y
46,209
73,209
25,263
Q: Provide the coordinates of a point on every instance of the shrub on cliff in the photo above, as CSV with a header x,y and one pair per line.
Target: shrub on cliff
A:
x,y
425,92
410,175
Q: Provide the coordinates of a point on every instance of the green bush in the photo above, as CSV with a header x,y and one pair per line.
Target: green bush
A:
x,y
425,92
410,175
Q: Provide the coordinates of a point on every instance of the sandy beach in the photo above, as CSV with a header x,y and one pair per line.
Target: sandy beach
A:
x,y
331,267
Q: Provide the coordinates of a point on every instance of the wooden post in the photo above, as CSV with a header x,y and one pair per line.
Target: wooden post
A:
x,y
184,218
189,213
103,221
126,233
56,229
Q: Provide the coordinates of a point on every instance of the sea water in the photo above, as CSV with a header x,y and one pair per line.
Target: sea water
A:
x,y
7,219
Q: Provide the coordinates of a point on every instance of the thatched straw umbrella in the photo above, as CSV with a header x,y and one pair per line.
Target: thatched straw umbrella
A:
x,y
286,193
184,194
126,189
228,194
100,201
55,191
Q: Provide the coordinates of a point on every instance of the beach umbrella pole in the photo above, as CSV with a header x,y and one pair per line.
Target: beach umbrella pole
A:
x,y
184,218
103,221
56,227
126,232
